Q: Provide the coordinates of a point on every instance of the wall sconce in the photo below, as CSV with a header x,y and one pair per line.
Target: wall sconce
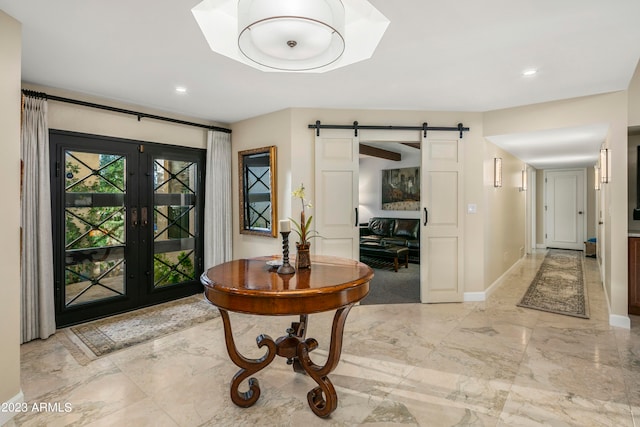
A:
x,y
604,166
523,186
497,172
596,180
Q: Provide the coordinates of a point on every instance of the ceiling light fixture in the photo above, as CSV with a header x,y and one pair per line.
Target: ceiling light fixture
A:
x,y
294,36
181,89
291,36
530,72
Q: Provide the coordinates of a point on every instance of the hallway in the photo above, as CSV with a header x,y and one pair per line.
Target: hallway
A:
x,y
483,363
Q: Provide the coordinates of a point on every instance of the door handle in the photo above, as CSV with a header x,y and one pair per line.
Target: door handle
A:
x,y
134,217
426,216
356,217
144,219
579,212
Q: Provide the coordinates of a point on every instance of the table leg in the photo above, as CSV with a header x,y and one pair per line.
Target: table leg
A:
x,y
323,400
247,366
289,349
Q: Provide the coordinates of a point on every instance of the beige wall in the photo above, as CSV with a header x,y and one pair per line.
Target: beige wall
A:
x,y
634,98
370,189
610,108
289,130
504,226
76,118
263,131
10,56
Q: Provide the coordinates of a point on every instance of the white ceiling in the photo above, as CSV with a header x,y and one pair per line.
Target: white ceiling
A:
x,y
556,148
463,55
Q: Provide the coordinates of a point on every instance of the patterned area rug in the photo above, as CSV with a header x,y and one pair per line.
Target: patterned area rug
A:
x,y
559,286
104,336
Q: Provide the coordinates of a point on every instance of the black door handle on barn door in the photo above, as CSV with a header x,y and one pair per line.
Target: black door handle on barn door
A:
x,y
356,217
426,216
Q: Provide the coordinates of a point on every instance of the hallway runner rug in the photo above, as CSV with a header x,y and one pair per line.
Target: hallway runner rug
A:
x,y
91,340
559,286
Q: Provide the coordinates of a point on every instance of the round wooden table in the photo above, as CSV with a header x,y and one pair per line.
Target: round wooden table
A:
x,y
251,286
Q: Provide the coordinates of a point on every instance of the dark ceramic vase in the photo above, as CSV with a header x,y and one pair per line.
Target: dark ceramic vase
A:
x,y
303,259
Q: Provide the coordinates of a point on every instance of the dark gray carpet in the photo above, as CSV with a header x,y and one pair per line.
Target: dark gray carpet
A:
x,y
389,287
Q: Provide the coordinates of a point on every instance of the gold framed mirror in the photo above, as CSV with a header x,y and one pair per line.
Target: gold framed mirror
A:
x,y
258,201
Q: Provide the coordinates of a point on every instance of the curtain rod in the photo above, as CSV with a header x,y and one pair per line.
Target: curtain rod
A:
x,y
121,110
355,126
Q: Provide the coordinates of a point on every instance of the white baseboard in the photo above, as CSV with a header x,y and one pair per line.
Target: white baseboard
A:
x,y
541,246
482,296
474,296
6,416
620,321
496,283
615,320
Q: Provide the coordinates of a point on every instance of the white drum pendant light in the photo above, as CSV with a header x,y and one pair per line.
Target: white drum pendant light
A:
x,y
305,36
291,35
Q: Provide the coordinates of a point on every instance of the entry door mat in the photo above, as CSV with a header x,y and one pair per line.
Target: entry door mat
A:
x,y
91,340
559,286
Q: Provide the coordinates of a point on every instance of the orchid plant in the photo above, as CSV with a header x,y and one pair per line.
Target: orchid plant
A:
x,y
302,228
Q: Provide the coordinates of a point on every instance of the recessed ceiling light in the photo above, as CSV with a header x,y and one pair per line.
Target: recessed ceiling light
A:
x,y
181,89
529,72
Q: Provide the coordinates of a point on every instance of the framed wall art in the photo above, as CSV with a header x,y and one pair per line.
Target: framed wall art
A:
x,y
401,189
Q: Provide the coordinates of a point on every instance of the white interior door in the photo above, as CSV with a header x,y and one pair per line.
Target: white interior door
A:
x,y
565,208
441,245
336,190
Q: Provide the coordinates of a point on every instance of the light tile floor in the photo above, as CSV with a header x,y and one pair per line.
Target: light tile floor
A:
x,y
482,364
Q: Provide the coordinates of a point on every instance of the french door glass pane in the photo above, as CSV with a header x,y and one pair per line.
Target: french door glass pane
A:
x,y
174,221
95,189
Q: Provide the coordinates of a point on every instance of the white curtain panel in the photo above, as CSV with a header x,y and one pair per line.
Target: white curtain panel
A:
x,y
217,203
36,261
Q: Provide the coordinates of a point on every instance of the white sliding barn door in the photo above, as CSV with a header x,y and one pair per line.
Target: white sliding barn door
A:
x,y
565,209
441,246
336,192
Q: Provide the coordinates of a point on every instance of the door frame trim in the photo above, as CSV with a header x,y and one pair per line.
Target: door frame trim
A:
x,y
584,200
143,293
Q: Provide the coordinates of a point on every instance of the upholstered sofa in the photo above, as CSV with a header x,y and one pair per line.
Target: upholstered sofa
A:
x,y
394,231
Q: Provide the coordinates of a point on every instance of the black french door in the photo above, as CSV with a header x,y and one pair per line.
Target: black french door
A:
x,y
127,224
